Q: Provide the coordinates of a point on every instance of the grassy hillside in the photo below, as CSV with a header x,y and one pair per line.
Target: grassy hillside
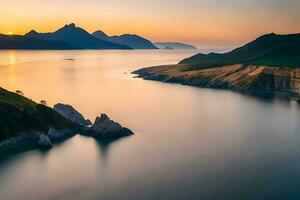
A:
x,y
269,50
18,114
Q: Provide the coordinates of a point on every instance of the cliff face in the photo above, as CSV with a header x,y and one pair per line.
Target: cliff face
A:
x,y
248,78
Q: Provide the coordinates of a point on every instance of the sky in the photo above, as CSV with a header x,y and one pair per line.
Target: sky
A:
x,y
214,23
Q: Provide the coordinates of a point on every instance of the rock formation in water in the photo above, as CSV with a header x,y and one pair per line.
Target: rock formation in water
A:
x,y
71,114
105,128
26,125
44,141
32,139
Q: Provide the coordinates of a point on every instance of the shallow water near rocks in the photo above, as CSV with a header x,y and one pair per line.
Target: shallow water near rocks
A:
x,y
190,143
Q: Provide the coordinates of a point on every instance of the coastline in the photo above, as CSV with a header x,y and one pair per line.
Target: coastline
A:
x,y
28,141
252,79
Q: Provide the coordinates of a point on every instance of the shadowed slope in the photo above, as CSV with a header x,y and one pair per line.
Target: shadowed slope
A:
x,y
19,114
23,42
131,40
78,37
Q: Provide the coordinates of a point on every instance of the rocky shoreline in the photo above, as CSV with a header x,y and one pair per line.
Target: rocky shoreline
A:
x,y
34,140
243,78
104,129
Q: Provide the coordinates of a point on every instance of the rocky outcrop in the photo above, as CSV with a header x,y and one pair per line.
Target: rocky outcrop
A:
x,y
103,128
34,139
106,129
71,114
44,141
248,78
60,135
26,125
55,134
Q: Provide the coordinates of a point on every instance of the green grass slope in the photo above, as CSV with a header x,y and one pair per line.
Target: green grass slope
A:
x,y
269,50
19,114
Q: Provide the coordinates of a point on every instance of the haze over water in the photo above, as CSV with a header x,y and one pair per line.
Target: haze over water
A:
x,y
190,143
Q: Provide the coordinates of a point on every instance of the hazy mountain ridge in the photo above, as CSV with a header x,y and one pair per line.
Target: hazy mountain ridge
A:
x,y
174,45
132,40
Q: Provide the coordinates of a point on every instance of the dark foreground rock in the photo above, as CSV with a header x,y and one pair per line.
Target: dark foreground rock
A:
x,y
63,123
44,141
34,140
71,114
106,129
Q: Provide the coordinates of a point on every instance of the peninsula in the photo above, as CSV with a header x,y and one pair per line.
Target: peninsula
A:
x,y
271,63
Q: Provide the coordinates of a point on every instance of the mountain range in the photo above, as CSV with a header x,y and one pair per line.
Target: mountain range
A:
x,y
72,37
77,37
131,40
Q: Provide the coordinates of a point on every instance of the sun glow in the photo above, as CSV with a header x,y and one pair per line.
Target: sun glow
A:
x,y
10,33
12,58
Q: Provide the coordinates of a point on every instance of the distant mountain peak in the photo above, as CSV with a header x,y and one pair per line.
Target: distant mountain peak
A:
x,y
132,40
128,34
77,37
174,45
32,32
72,25
100,34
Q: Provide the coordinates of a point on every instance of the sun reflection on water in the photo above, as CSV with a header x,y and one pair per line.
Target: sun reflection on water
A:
x,y
12,58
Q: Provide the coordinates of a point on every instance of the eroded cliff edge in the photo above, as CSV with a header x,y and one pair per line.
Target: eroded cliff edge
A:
x,y
270,63
241,77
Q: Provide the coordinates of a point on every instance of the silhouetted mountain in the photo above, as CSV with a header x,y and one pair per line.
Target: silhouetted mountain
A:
x,y
23,42
101,35
76,36
173,45
131,40
270,49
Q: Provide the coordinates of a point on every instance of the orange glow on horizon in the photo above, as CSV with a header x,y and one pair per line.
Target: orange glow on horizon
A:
x,y
201,22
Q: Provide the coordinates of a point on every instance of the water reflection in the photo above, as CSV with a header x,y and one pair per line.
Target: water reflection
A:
x,y
192,143
104,147
11,57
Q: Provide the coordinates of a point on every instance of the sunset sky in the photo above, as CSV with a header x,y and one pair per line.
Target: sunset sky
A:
x,y
202,22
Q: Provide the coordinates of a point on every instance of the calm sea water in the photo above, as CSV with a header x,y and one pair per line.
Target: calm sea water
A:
x,y
190,143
